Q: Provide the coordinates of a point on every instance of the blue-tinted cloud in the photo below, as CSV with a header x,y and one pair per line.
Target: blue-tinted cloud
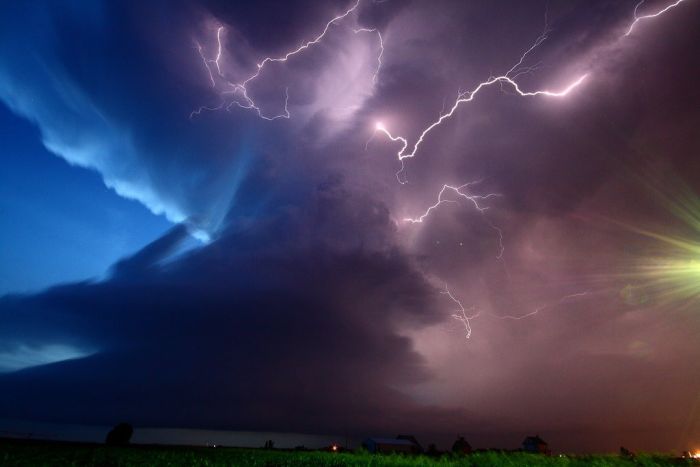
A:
x,y
103,101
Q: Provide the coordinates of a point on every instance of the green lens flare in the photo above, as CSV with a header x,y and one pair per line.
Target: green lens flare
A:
x,y
672,274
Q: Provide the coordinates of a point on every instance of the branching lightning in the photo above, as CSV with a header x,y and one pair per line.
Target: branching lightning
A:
x,y
637,18
461,314
466,318
381,49
468,96
475,200
239,91
237,94
561,301
302,47
457,190
508,79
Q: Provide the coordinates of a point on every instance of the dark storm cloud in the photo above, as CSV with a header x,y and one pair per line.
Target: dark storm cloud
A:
x,y
289,320
314,307
150,255
277,328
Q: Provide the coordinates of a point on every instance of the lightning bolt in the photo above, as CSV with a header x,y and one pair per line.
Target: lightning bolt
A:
x,y
637,19
217,60
240,97
461,314
462,98
381,49
250,104
240,92
206,63
466,319
458,190
467,96
302,47
507,79
473,199
543,307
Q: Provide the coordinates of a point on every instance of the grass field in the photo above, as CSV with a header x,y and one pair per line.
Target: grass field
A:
x,y
50,454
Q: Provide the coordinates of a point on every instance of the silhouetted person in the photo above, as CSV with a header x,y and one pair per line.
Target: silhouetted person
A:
x,y
120,435
461,446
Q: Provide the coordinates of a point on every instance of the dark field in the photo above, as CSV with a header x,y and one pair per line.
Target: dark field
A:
x,y
55,454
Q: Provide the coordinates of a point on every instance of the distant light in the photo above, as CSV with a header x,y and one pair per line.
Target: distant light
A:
x,y
335,448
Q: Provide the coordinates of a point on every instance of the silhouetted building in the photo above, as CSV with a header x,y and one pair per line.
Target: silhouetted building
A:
x,y
120,435
536,445
461,446
388,445
417,448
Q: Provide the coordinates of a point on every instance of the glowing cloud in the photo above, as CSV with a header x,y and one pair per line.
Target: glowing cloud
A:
x,y
25,356
239,90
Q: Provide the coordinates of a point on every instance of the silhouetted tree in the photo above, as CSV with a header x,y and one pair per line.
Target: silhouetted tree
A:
x,y
461,446
120,435
269,444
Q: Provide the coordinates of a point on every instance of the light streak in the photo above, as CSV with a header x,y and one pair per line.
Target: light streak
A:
x,y
649,16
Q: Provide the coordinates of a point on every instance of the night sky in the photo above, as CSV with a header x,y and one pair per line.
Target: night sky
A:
x,y
194,236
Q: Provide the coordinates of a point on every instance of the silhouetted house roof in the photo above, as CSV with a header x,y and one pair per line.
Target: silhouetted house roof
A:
x,y
385,445
416,445
535,444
